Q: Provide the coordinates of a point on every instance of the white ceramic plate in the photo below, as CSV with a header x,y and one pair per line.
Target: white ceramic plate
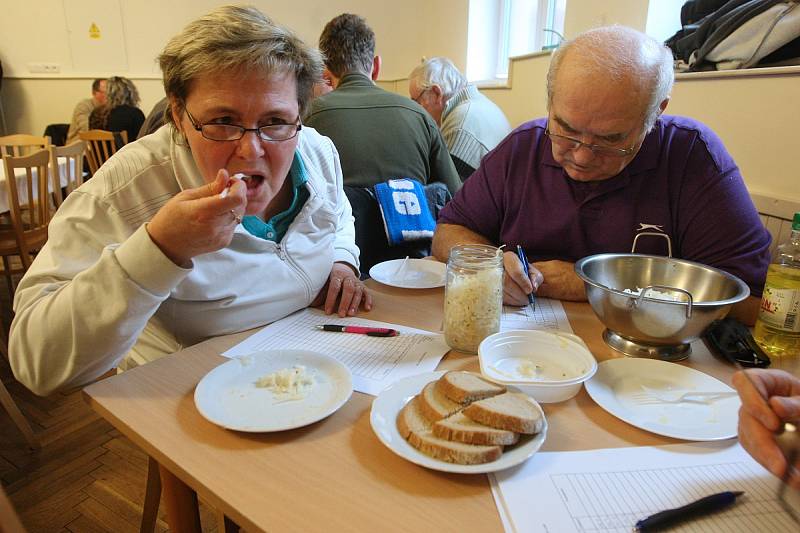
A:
x,y
417,274
383,418
228,396
618,382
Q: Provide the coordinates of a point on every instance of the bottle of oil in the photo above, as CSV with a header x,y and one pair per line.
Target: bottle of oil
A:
x,y
778,326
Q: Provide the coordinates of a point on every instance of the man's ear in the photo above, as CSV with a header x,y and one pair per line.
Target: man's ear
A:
x,y
329,78
438,94
376,67
663,106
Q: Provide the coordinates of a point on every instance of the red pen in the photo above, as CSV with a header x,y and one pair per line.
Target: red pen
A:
x,y
364,330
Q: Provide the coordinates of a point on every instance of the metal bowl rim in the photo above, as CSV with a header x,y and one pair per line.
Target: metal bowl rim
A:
x,y
744,290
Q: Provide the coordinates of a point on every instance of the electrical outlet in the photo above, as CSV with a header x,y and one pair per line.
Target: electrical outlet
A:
x,y
44,68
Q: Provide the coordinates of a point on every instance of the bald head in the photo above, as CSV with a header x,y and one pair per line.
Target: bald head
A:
x,y
618,59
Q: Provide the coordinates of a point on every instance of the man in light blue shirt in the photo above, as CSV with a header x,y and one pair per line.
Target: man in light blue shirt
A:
x,y
471,124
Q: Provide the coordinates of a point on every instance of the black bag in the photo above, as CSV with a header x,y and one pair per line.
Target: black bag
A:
x,y
732,340
722,39
57,133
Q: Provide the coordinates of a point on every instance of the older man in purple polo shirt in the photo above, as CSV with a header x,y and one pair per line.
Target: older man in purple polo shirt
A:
x,y
602,168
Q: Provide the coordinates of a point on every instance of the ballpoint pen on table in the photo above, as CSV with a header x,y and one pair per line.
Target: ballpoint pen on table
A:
x,y
701,507
521,255
363,330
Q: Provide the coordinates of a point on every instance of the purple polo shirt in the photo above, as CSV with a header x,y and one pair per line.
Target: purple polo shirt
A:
x,y
682,183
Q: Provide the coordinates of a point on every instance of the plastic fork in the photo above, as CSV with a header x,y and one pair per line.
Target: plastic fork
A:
x,y
678,396
401,270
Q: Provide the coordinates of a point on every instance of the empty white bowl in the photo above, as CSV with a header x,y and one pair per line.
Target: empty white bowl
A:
x,y
548,366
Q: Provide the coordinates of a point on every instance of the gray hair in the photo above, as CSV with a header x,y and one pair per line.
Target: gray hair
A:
x,y
237,38
621,55
121,91
439,71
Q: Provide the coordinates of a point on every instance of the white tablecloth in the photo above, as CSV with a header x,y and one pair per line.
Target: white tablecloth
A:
x,y
22,184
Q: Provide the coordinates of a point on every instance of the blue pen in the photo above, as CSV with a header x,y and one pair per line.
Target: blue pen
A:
x,y
701,507
521,255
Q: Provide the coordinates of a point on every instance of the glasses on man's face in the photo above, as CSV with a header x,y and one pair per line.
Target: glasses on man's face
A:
x,y
426,89
233,132
568,143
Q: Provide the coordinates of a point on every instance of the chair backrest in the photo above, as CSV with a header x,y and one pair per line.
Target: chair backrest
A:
x,y
22,144
32,191
71,171
101,145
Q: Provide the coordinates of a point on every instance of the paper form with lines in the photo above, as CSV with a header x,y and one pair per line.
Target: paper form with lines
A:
x,y
610,490
375,362
548,315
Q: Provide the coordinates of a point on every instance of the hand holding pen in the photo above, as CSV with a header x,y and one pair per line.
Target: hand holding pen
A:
x,y
519,282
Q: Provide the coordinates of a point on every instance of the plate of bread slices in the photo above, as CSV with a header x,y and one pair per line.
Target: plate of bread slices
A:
x,y
458,422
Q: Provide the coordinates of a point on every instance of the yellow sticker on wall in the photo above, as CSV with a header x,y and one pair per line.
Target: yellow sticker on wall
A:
x,y
94,31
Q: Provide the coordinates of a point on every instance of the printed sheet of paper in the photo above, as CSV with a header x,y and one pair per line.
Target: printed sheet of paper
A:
x,y
375,362
549,315
610,490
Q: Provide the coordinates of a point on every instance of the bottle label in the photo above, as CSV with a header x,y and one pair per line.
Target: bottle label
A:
x,y
780,307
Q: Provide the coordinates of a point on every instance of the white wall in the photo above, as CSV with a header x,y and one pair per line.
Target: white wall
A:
x,y
405,31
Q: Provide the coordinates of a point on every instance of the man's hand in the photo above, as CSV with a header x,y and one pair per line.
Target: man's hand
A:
x,y
560,281
760,418
198,221
516,285
343,286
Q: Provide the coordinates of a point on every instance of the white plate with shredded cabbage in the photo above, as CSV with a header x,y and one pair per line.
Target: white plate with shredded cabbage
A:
x,y
273,390
416,274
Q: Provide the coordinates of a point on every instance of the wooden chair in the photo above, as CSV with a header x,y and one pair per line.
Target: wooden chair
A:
x,y
27,233
22,144
10,405
74,170
101,145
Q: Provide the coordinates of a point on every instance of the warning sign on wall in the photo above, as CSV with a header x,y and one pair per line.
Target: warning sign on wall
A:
x,y
94,31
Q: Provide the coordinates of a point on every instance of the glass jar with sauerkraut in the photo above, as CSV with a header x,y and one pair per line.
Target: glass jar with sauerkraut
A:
x,y
473,298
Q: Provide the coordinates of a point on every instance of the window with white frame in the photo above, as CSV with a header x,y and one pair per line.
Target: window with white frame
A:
x,y
499,29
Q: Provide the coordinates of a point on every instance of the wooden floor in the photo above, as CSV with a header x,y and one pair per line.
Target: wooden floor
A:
x,y
86,478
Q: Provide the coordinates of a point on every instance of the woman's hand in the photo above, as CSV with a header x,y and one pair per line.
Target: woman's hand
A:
x,y
344,287
769,398
198,221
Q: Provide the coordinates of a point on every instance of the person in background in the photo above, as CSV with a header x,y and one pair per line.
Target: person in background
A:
x,y
604,167
155,119
471,124
769,398
379,135
84,108
121,111
230,217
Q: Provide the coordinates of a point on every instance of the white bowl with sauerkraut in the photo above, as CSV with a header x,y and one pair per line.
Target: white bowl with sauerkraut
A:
x,y
547,366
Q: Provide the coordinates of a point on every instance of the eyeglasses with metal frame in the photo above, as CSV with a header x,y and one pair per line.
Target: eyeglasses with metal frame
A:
x,y
569,143
423,91
234,132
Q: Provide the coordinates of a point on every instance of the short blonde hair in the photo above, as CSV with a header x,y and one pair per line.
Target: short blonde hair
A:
x,y
237,38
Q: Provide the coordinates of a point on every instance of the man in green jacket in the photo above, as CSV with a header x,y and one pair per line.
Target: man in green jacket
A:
x,y
379,135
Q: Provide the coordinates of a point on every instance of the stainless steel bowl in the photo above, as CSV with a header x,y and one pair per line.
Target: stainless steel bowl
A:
x,y
645,324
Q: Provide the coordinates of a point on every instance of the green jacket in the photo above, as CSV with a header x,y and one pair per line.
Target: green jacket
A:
x,y
381,135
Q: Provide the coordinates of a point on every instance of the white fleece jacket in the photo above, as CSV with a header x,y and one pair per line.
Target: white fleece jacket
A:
x,y
101,294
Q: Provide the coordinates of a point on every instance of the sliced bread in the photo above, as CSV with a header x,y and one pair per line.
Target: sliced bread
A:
x,y
415,428
459,427
466,387
510,411
435,405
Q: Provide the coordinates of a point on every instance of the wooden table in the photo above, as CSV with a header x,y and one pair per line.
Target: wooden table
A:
x,y
335,474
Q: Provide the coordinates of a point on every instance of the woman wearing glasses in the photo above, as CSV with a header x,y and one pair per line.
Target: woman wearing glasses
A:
x,y
227,218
